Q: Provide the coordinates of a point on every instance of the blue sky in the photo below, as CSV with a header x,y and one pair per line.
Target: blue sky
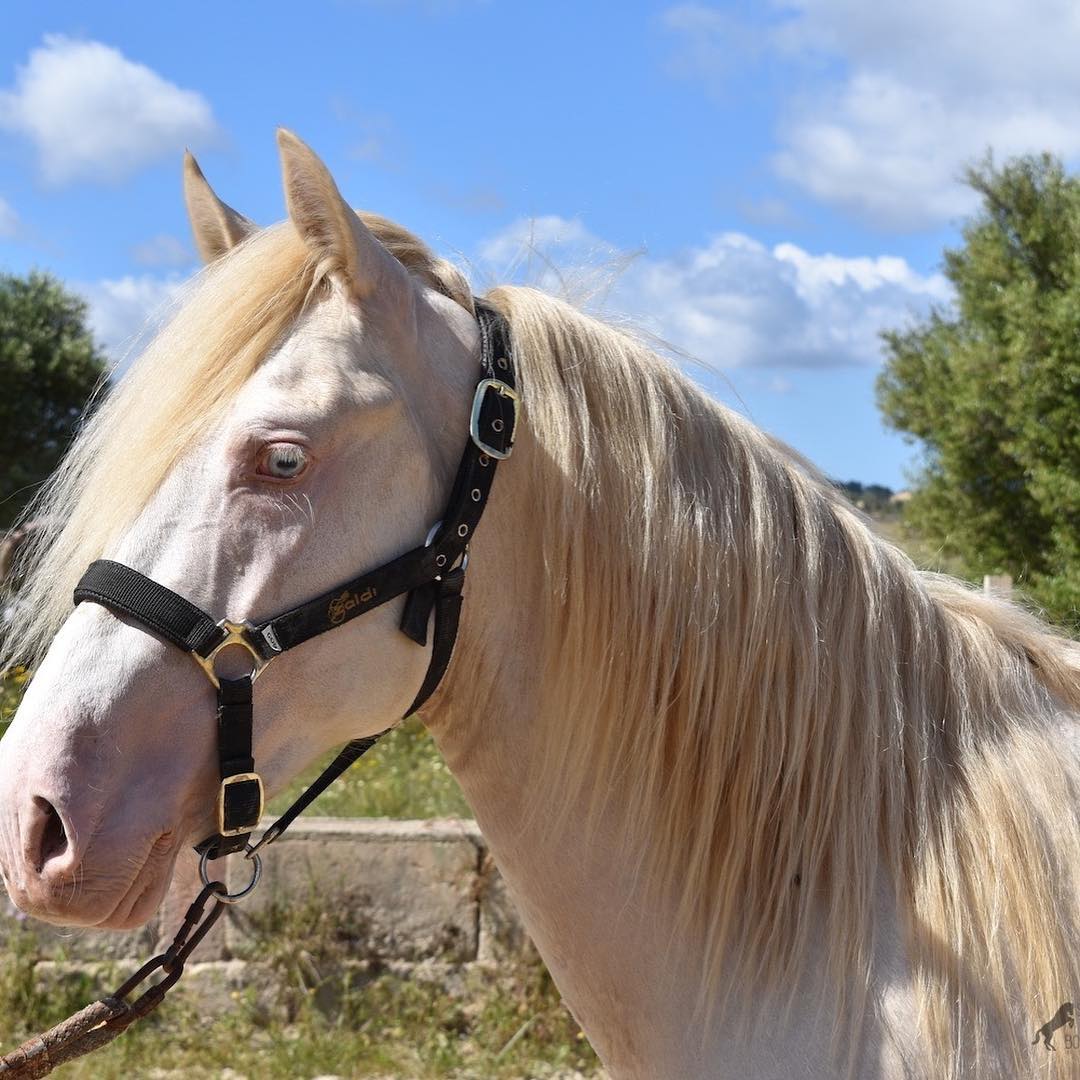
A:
x,y
775,180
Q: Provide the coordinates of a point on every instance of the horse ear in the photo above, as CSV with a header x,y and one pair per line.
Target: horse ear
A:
x,y
217,227
330,228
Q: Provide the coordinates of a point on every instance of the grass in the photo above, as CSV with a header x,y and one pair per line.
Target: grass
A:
x,y
328,1015
24,998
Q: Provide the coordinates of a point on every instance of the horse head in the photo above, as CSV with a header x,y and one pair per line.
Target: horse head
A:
x,y
296,420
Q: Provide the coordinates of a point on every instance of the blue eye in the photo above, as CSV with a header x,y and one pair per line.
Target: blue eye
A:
x,y
283,461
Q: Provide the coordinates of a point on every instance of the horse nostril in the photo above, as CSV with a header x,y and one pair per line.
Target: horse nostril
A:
x,y
51,838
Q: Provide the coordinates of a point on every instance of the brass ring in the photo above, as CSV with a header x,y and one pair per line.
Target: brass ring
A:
x,y
235,634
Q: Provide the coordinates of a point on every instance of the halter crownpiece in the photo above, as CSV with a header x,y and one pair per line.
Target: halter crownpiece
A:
x,y
432,575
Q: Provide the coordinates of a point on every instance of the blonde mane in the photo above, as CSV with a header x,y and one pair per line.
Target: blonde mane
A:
x,y
791,702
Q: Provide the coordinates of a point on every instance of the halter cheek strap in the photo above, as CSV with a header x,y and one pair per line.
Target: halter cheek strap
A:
x,y
431,576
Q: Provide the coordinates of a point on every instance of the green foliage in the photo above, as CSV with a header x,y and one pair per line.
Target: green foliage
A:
x,y
992,388
404,776
11,690
49,367
27,1000
491,1026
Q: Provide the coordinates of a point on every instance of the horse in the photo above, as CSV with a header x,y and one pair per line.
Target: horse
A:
x,y
772,802
1065,1015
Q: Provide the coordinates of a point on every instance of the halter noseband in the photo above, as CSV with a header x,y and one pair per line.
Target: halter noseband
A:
x,y
432,575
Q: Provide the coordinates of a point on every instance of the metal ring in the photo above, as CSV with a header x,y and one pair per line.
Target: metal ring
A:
x,y
475,493
496,425
484,460
236,635
463,530
228,897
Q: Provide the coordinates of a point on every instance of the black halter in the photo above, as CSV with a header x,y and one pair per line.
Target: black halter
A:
x,y
432,575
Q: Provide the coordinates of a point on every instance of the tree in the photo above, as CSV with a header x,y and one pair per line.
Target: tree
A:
x,y
49,367
992,387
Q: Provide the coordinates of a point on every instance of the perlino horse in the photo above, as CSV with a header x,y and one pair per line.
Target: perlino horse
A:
x,y
772,802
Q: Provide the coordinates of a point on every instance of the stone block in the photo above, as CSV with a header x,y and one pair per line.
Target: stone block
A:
x,y
222,986
385,890
379,893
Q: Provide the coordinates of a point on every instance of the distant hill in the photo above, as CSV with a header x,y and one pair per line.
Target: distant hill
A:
x,y
874,499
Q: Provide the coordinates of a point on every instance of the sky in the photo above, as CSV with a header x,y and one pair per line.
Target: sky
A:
x,y
765,186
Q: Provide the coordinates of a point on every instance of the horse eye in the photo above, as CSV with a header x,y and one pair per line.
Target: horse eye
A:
x,y
283,461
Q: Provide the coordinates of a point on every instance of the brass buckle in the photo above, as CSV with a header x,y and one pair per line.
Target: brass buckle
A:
x,y
228,782
235,634
503,390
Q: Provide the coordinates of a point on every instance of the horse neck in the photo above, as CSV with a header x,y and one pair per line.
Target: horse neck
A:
x,y
490,728
605,935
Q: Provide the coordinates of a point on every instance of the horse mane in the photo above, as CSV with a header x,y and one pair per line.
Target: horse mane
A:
x,y
782,702
790,701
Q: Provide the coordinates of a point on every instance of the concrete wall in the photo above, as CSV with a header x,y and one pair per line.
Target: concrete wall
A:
x,y
400,893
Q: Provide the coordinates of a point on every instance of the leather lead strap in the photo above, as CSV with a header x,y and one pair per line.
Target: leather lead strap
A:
x,y
351,753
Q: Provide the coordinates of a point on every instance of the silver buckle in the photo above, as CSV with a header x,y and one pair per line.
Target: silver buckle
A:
x,y
503,390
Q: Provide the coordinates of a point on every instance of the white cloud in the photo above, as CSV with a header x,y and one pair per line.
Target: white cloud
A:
x,y
163,250
93,114
714,44
541,238
9,220
733,302
123,311
889,102
736,303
